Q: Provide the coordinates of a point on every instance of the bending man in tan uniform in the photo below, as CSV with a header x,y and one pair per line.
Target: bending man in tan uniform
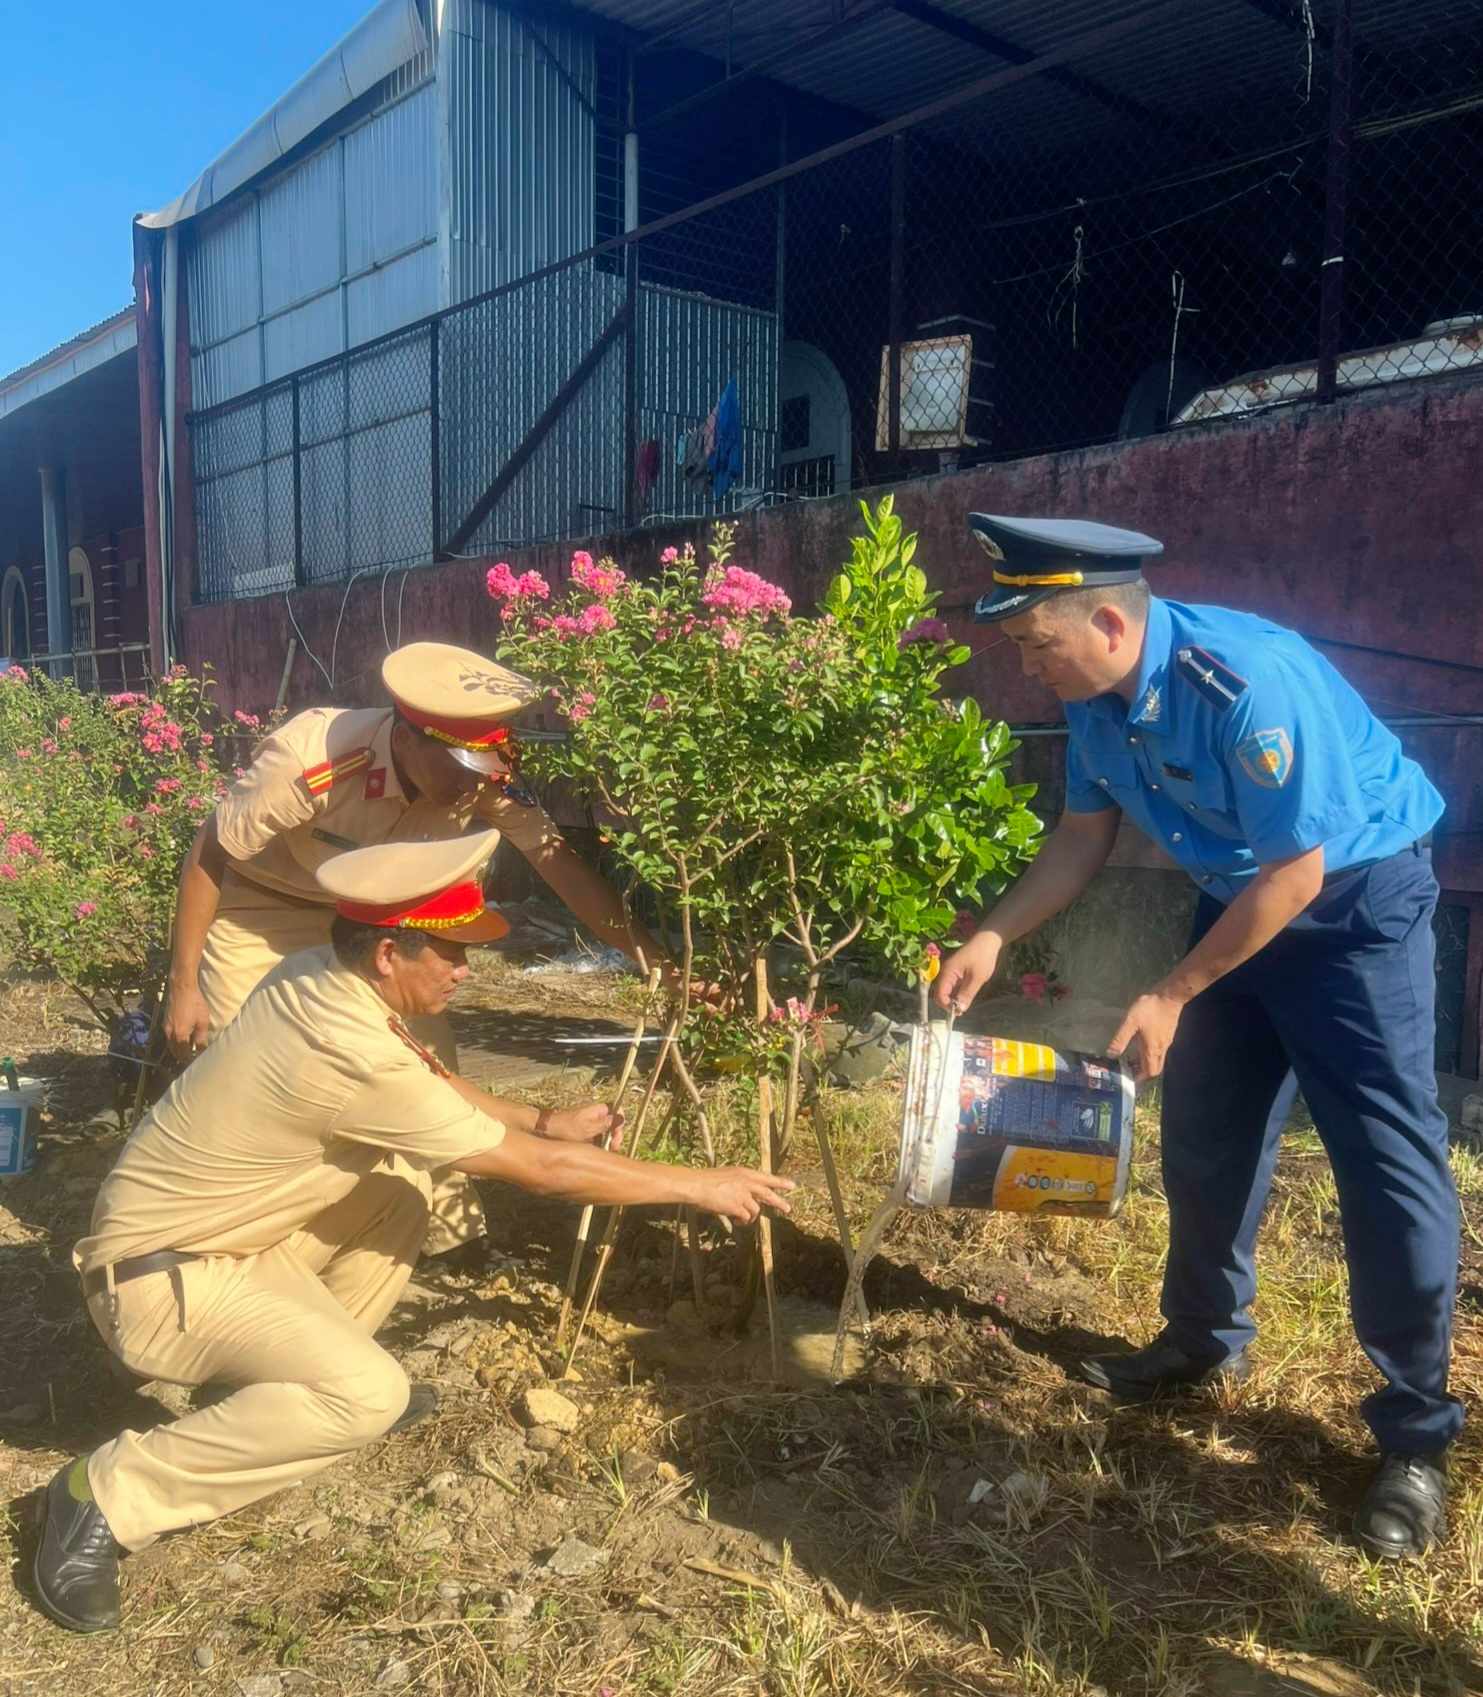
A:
x,y
265,1216
333,779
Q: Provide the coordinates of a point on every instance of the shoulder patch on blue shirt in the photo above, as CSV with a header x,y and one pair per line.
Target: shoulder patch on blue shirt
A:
x,y
1213,680
1266,758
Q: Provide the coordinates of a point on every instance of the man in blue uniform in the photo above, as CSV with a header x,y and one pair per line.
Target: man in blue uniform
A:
x,y
1241,752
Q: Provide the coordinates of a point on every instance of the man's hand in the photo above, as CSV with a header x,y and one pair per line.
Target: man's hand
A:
x,y
187,1021
740,1193
967,970
585,1123
1152,1021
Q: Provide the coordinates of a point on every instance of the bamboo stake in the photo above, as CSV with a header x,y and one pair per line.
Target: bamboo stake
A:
x,y
764,1161
584,1225
697,1265
610,1230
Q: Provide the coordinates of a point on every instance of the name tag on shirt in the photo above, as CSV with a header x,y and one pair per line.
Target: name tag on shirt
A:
x,y
323,836
1182,774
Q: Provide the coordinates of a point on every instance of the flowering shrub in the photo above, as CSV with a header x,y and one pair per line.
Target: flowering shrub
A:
x,y
100,796
772,777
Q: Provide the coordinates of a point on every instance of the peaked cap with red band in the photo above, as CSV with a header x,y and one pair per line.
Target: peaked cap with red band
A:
x,y
432,887
459,699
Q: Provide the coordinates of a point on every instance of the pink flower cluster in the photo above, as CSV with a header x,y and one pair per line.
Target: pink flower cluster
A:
x,y
7,871
588,622
581,707
127,698
248,721
1042,986
22,843
16,675
85,910
515,592
599,578
167,786
740,592
925,630
158,732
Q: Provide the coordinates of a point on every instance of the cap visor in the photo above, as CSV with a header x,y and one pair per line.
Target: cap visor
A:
x,y
489,927
490,761
1007,604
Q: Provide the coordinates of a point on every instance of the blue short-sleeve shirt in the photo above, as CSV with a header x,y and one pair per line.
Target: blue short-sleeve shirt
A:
x,y
1275,756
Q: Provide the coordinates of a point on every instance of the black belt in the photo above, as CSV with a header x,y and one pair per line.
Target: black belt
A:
x,y
134,1267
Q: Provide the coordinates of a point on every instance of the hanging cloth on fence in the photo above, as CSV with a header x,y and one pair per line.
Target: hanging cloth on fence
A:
x,y
700,444
725,461
646,470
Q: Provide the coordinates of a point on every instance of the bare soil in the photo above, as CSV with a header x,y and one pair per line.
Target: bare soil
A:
x,y
960,1516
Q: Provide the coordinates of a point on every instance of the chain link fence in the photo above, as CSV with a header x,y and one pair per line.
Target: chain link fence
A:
x,y
1181,226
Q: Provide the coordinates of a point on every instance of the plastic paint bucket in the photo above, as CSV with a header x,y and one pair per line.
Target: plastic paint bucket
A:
x,y
18,1113
1017,1127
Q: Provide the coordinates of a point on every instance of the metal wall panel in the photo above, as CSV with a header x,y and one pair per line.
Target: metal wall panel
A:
x,y
299,219
343,242
223,276
229,369
394,295
690,347
501,363
391,173
522,146
302,336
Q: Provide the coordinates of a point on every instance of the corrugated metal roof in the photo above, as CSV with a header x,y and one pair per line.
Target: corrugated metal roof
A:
x,y
59,365
869,56
72,343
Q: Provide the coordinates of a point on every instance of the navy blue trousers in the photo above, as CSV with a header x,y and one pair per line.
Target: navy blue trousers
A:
x,y
1345,997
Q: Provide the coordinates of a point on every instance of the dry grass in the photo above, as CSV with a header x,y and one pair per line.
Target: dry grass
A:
x,y
797,1541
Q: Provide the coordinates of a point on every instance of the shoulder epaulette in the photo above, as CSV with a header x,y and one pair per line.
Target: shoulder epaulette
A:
x,y
317,779
1213,680
426,1056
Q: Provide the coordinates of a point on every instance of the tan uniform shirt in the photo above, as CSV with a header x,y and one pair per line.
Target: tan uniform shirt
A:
x,y
308,1089
325,782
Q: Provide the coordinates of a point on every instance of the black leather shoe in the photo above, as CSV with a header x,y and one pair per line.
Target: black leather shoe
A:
x,y
76,1569
422,1403
1160,1368
1405,1508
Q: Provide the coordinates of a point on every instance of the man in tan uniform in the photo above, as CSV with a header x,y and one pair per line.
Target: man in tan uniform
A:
x,y
334,779
265,1216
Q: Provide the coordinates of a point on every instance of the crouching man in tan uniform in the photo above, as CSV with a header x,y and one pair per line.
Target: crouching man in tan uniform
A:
x,y
264,1218
334,779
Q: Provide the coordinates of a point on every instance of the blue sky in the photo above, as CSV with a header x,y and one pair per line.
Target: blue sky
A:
x,y
108,109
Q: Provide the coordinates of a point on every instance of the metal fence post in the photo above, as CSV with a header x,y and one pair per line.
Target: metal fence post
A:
x,y
298,462
1336,200
435,433
631,298
630,385
898,277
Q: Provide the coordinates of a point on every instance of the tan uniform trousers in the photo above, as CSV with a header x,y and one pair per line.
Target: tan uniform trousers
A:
x,y
292,1327
251,933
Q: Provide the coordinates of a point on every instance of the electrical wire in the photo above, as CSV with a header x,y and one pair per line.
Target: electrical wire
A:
x,y
303,642
360,571
1158,229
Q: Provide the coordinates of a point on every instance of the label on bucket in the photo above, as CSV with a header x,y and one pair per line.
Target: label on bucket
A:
x,y
995,1123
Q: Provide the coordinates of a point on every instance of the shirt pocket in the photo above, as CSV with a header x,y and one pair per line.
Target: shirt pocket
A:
x,y
1204,796
1116,774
